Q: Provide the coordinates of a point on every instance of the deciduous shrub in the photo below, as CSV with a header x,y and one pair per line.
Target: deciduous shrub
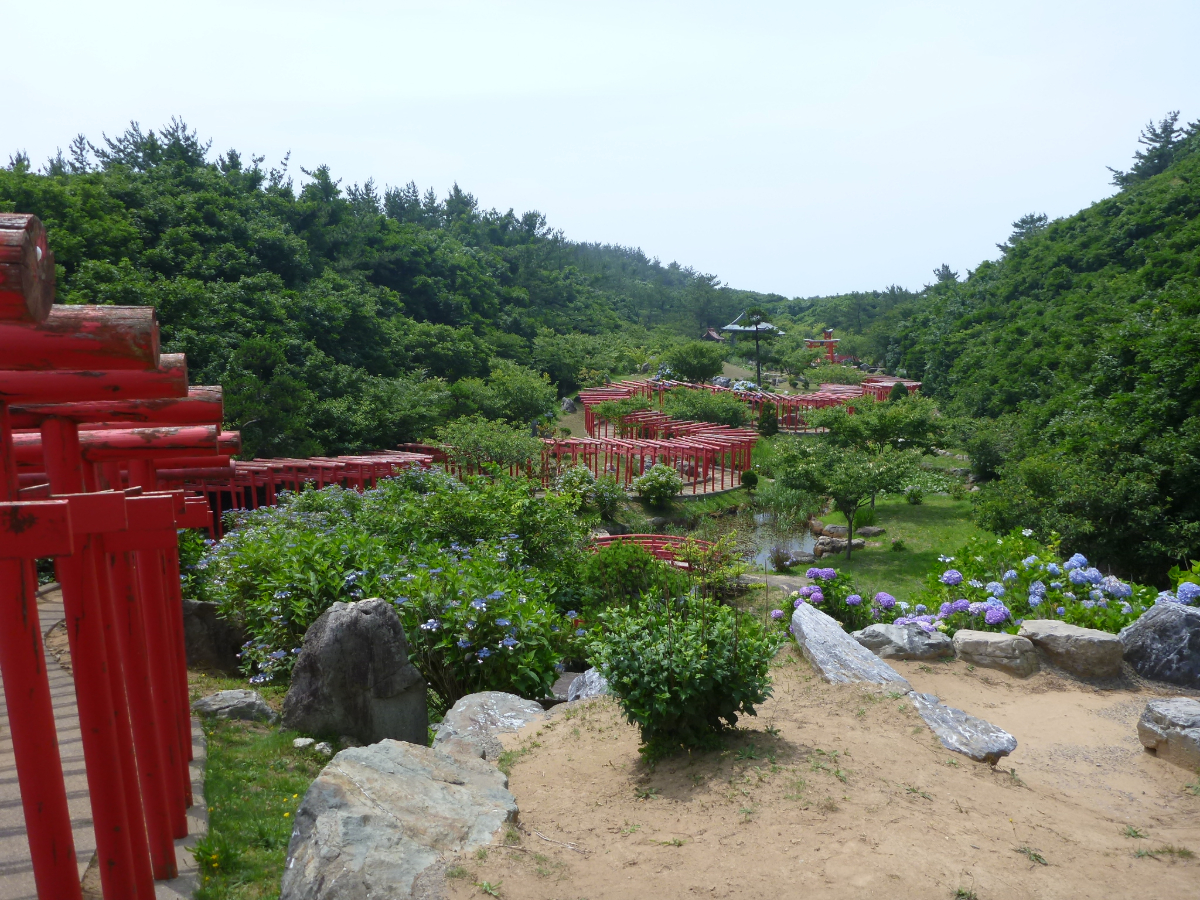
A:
x,y
684,670
622,573
721,407
659,484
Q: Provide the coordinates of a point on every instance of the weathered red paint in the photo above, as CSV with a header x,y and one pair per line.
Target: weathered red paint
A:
x,y
83,338
168,380
26,269
201,406
125,443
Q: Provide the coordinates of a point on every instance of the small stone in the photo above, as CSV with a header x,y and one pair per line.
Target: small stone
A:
x,y
323,748
1006,652
904,642
237,704
963,733
590,684
478,718
836,656
1086,652
1164,644
870,531
383,821
722,381
567,405
303,743
1170,729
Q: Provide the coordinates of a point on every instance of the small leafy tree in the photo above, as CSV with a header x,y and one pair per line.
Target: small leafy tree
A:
x,y
849,478
768,421
490,445
695,360
720,408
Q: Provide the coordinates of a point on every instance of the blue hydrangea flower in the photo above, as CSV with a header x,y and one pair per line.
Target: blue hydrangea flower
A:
x,y
1056,585
1029,561
1188,592
1095,596
580,632
1053,569
479,605
503,623
1077,561
995,588
975,583
853,600
1165,597
508,643
571,614
1089,604
1062,610
1010,575
1037,588
464,644
922,608
951,577
483,654
1076,577
977,609
431,625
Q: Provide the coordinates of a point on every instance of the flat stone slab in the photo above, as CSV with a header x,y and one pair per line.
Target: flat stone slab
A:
x,y
1171,730
473,722
963,733
236,704
380,821
1164,644
1087,652
836,656
904,642
1008,652
590,684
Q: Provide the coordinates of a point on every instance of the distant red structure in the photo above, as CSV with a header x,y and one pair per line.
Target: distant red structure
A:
x,y
880,386
827,344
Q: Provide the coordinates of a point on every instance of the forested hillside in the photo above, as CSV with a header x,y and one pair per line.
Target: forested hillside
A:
x,y
338,318
1077,353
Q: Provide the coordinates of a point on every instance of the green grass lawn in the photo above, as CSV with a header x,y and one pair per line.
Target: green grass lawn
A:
x,y
254,781
937,526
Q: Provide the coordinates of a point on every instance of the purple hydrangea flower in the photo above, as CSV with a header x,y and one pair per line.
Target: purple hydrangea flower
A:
x,y
885,600
922,608
996,614
977,609
816,597
798,601
777,614
945,610
952,577
1114,587
853,600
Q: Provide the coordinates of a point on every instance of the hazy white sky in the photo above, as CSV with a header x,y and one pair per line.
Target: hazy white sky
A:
x,y
801,148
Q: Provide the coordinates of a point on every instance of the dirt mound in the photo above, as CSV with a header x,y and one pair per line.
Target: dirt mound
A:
x,y
841,791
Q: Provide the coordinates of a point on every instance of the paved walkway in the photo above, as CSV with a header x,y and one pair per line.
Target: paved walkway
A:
x,y
16,871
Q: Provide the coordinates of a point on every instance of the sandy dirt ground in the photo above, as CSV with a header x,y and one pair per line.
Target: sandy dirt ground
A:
x,y
841,791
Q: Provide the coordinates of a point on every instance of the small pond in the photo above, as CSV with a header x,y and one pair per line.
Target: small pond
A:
x,y
763,535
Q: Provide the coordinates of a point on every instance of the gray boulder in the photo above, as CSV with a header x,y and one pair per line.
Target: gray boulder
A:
x,y
1008,652
1164,644
353,677
836,656
590,684
236,704
904,642
870,531
963,733
567,405
380,821
837,531
722,381
211,642
471,725
1086,652
1170,729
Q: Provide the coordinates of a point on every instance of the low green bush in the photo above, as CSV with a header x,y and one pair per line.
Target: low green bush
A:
x,y
684,670
749,479
721,407
659,484
622,573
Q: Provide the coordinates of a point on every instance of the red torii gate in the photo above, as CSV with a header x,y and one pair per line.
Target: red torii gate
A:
x,y
117,562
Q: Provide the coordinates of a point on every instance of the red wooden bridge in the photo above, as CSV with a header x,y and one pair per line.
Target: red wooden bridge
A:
x,y
664,546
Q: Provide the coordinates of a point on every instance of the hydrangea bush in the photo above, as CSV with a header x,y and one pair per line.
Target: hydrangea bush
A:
x,y
994,585
659,484
474,572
